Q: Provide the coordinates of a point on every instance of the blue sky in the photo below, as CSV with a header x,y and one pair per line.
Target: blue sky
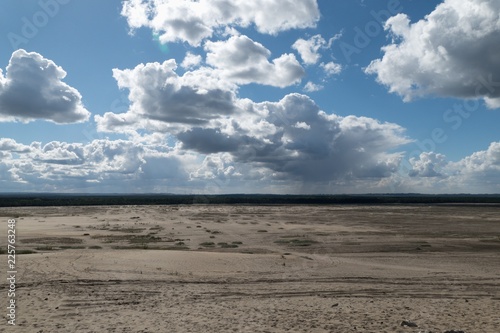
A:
x,y
271,96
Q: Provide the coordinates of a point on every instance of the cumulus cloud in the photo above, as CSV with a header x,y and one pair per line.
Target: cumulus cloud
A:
x,y
309,49
191,60
289,139
480,171
432,173
10,145
242,61
161,100
428,164
32,88
331,68
193,21
158,95
100,165
326,147
454,52
312,87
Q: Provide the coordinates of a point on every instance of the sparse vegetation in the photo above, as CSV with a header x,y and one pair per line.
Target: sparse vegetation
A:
x,y
229,246
144,239
156,227
296,242
45,248
127,230
139,247
52,240
23,251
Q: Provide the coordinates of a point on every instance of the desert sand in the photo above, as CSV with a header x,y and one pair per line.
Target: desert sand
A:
x,y
255,269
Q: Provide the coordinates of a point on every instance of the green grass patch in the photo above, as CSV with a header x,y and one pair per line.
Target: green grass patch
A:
x,y
207,244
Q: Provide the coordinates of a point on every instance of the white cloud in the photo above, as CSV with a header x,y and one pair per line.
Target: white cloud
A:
x,y
242,61
163,101
11,145
290,139
99,166
159,96
454,51
432,173
310,151
427,165
312,87
217,166
193,21
309,49
331,68
302,125
191,61
479,172
33,89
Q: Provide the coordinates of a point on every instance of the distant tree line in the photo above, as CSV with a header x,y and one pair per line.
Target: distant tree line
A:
x,y
31,199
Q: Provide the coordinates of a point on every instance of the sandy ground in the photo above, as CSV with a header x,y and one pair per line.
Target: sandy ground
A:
x,y
255,269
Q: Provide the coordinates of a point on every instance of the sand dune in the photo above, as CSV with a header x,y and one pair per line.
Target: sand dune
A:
x,y
256,269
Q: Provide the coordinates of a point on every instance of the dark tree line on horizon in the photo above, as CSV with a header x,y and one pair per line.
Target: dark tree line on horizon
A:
x,y
31,199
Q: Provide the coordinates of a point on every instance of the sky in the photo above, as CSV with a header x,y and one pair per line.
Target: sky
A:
x,y
264,96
